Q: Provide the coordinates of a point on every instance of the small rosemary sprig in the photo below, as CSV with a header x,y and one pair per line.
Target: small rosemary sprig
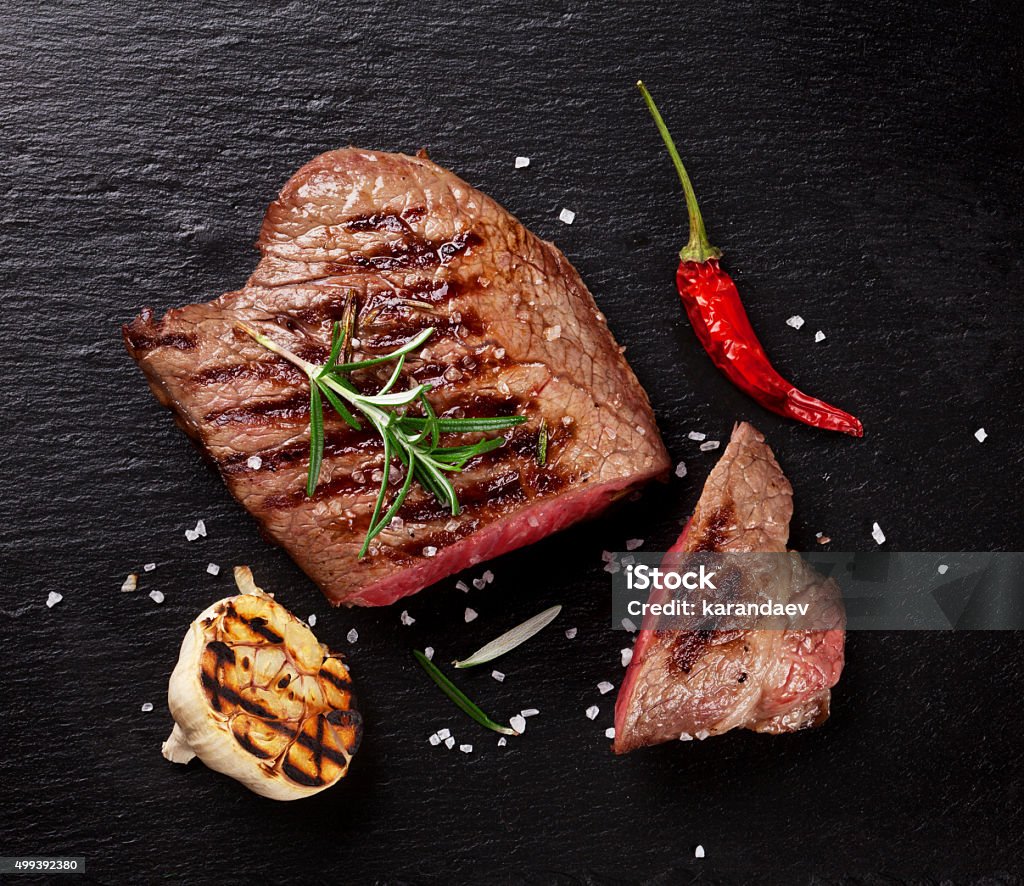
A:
x,y
459,697
413,440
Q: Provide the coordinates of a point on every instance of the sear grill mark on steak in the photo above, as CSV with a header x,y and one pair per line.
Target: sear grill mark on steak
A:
x,y
416,247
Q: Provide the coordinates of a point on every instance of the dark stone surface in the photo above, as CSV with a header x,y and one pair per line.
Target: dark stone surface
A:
x,y
861,166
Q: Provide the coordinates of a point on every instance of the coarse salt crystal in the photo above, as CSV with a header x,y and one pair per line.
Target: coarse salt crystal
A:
x,y
877,534
429,653
156,596
522,162
311,621
592,712
462,586
628,560
429,551
130,583
604,687
200,528
479,583
980,435
449,743
629,625
609,732
213,568
681,469
612,567
552,333
796,321
943,569
819,336
434,740
533,521
502,742
147,707
149,567
570,633
444,733
254,462
529,712
633,543
626,656
697,435
470,614
191,534
518,723
607,556
709,445
567,216
702,735
685,736
52,599
466,748
488,576
352,636
406,618
499,353
698,852
498,675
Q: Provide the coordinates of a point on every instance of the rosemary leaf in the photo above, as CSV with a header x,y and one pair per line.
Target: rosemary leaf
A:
x,y
338,406
457,696
407,348
464,425
316,437
542,443
510,639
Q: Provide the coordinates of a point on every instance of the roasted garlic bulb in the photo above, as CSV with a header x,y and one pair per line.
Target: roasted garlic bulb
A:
x,y
255,696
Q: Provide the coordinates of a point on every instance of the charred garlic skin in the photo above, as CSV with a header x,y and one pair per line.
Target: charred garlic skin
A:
x,y
254,695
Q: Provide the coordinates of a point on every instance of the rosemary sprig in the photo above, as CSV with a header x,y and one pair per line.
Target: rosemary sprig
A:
x,y
456,695
542,443
510,639
413,440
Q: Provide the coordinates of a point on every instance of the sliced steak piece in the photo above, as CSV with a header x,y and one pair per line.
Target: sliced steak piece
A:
x,y
517,332
699,683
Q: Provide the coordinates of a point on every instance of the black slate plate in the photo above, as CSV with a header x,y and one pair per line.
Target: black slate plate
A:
x,y
861,166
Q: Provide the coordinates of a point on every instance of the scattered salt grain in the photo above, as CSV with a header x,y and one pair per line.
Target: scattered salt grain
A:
x,y
52,599
607,556
877,534
529,712
429,551
604,687
488,576
254,462
685,736
980,435
434,740
796,321
570,633
149,567
462,586
552,333
406,618
502,742
819,336
200,528
626,655
709,445
592,712
466,748
156,596
470,614
681,469
518,723
130,583
633,543
352,636
498,675
213,568
147,707
943,569
449,743
429,653
522,162
479,583
697,435
698,852
700,736
191,534
567,216
444,733
612,568
823,539
609,732
311,621
628,560
629,625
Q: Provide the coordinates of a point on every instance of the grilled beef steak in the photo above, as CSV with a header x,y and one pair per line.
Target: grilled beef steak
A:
x,y
699,683
517,332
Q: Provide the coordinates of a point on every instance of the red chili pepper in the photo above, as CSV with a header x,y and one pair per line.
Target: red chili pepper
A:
x,y
717,315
